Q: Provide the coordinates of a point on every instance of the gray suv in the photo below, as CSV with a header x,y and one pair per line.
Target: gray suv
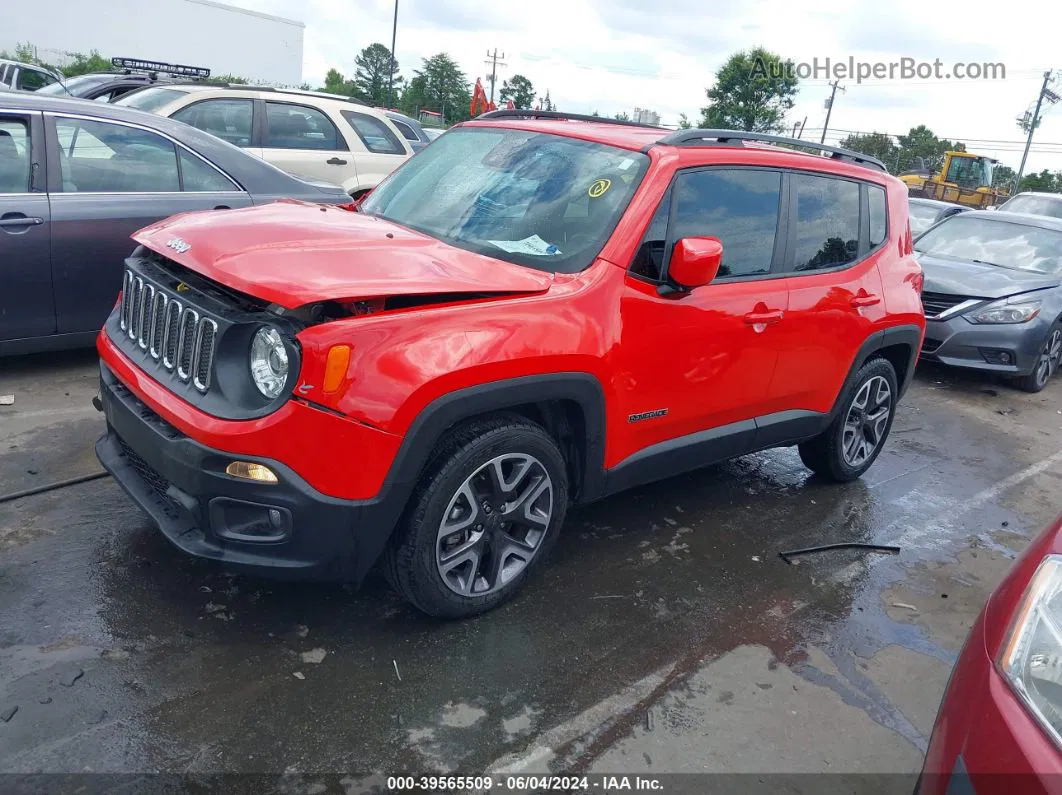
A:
x,y
993,294
77,178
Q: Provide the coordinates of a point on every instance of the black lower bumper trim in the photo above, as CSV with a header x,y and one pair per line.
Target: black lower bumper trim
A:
x,y
287,529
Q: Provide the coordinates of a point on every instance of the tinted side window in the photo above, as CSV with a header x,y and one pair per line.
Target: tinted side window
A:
x,y
31,79
98,157
738,206
649,261
376,135
300,127
14,156
405,129
827,222
228,119
198,176
878,217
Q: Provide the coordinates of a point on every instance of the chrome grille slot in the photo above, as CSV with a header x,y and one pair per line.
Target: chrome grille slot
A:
x,y
158,323
147,304
186,343
134,308
170,333
127,289
204,353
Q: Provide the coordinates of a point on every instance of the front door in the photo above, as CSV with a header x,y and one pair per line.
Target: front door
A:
x,y
703,360
27,307
112,180
303,141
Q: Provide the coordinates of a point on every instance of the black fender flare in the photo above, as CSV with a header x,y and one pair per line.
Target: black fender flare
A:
x,y
446,411
910,335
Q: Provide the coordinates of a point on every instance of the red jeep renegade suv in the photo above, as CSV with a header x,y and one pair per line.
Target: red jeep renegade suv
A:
x,y
537,310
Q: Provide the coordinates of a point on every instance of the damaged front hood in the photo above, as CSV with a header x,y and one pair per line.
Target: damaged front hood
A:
x,y
291,254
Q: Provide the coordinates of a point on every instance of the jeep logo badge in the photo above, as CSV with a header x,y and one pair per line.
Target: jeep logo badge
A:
x,y
178,245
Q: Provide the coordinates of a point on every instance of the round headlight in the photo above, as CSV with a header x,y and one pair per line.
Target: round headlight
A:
x,y
269,362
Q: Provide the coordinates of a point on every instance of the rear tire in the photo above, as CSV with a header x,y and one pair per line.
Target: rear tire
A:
x,y
484,516
853,440
1048,364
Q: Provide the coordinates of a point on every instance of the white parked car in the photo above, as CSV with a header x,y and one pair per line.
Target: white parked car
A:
x,y
310,134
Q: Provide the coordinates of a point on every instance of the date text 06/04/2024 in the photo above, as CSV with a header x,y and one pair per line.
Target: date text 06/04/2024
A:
x,y
573,785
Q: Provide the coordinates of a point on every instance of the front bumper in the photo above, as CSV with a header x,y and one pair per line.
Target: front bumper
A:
x,y
287,529
985,742
959,343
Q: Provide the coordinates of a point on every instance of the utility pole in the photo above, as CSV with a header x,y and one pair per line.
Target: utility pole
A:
x,y
829,109
493,64
1050,96
391,73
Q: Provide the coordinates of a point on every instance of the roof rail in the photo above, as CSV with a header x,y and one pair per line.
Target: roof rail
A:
x,y
138,65
296,91
506,113
726,137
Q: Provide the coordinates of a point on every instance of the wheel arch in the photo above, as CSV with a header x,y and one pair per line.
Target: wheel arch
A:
x,y
570,406
899,345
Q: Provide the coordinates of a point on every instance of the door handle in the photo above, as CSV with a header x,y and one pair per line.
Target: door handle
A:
x,y
763,318
20,220
335,161
865,300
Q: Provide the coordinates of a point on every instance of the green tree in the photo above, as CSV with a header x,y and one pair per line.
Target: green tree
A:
x,y
595,113
622,116
82,64
1045,182
373,67
877,145
222,80
684,122
752,91
520,90
546,102
920,142
439,86
336,83
1003,176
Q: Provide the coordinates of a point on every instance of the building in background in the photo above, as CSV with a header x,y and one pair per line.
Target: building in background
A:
x,y
226,40
646,116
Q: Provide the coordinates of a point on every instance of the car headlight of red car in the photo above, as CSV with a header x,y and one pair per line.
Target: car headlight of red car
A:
x,y
1031,659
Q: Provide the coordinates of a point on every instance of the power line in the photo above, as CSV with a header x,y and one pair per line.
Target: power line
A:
x,y
829,108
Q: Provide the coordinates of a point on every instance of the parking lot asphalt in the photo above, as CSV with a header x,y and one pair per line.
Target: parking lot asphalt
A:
x,y
666,635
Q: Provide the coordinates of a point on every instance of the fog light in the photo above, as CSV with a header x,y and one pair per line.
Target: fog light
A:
x,y
276,518
251,471
996,356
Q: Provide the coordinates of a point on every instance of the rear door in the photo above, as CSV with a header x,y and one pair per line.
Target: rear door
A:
x,y
305,142
114,178
27,307
384,151
838,229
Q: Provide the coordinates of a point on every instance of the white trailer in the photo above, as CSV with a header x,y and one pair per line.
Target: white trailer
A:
x,y
226,40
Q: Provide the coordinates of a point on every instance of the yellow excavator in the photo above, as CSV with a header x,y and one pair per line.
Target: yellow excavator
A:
x,y
963,178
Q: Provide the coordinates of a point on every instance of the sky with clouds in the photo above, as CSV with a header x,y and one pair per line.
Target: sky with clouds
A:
x,y
615,55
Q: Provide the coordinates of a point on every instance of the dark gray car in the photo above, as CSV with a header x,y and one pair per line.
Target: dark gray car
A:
x,y
993,294
926,212
1034,204
77,178
410,128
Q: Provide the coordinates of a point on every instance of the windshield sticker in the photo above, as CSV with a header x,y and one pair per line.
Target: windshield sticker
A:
x,y
626,163
599,188
533,245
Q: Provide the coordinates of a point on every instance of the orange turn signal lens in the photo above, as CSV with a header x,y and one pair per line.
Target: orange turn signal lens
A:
x,y
336,367
248,470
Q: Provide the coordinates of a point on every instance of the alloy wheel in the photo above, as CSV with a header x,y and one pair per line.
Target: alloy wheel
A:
x,y
1049,358
866,421
494,524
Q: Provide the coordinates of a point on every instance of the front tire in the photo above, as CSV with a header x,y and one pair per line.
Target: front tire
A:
x,y
1048,364
484,516
847,448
